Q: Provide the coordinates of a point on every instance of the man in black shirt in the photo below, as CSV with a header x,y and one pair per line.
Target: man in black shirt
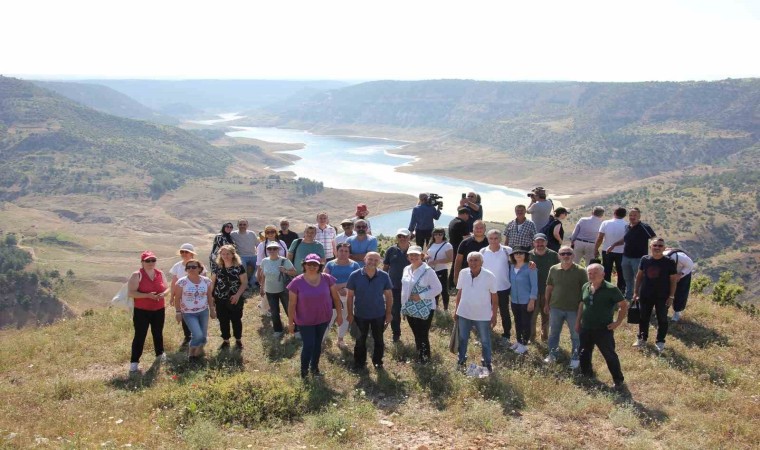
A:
x,y
636,240
473,243
457,231
285,234
655,288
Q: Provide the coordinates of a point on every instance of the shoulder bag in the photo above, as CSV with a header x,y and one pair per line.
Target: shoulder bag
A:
x,y
419,309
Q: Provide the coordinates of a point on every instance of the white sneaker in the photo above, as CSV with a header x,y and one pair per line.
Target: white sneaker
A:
x,y
514,346
298,335
134,367
639,343
660,346
676,317
551,359
162,357
277,334
521,349
575,363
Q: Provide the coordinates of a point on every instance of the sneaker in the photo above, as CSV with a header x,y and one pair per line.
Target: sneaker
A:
x,y
620,387
551,359
660,347
239,344
341,343
676,317
134,367
225,345
640,343
162,357
505,341
521,349
185,342
379,366
298,335
277,334
575,363
514,346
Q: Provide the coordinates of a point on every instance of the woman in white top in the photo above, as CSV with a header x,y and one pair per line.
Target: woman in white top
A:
x,y
186,253
684,267
194,294
419,287
439,255
270,235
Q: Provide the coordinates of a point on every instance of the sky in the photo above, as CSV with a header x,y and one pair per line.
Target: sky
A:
x,y
366,40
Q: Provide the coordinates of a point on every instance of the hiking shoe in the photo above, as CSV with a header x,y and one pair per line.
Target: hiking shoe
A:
x,y
277,334
297,335
134,367
551,359
162,357
660,347
225,345
676,317
514,346
521,349
640,343
239,344
575,363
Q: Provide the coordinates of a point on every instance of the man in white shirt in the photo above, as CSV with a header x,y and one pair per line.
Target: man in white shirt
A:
x,y
611,231
476,306
245,242
348,231
684,268
496,261
326,236
584,236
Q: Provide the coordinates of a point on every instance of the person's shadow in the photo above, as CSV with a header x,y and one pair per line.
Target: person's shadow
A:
x,y
647,416
694,334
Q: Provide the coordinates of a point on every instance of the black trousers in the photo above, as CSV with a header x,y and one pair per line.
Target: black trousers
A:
x,y
661,310
275,300
506,320
616,259
227,316
522,323
185,330
682,293
421,330
396,313
143,319
443,277
422,237
360,348
605,340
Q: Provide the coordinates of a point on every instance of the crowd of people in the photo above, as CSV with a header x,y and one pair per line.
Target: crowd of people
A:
x,y
326,277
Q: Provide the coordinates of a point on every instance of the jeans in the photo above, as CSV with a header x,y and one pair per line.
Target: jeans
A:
x,y
605,340
377,326
396,314
275,300
556,318
250,262
422,237
630,269
343,329
443,277
682,293
185,330
198,324
227,316
506,319
522,322
616,259
661,309
142,319
538,311
484,332
311,336
421,330
584,250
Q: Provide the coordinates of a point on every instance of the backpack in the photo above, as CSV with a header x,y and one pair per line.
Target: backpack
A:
x,y
676,251
295,249
548,229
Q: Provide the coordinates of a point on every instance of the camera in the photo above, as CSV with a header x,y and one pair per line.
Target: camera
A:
x,y
537,190
435,200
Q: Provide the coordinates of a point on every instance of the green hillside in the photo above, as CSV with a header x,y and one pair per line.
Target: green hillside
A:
x,y
52,145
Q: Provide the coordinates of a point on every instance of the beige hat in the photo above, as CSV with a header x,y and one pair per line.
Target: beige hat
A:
x,y
188,248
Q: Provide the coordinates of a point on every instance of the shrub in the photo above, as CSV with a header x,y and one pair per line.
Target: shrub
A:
x,y
700,283
724,292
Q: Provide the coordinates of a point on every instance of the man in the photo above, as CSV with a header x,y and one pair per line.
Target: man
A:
x,y
684,267
520,231
361,213
636,239
369,301
477,303
348,231
585,233
361,243
245,242
285,235
326,236
595,326
539,208
544,258
496,261
564,288
305,246
611,231
423,220
394,263
655,288
471,201
471,244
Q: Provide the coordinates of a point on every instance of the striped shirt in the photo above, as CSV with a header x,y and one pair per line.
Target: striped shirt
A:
x,y
326,237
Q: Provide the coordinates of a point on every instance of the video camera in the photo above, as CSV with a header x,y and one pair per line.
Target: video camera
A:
x,y
435,200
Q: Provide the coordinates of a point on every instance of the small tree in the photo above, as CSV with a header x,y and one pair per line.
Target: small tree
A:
x,y
725,292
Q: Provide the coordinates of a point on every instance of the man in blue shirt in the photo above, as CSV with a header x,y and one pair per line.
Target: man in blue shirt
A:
x,y
423,220
369,301
361,243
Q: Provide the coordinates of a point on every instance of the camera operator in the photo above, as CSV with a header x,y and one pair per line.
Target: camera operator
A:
x,y
540,208
423,216
471,201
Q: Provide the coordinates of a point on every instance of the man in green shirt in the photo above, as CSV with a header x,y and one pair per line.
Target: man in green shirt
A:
x,y
563,294
595,324
544,259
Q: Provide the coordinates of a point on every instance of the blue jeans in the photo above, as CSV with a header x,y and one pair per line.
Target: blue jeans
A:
x,y
250,261
311,335
198,324
630,269
556,318
484,332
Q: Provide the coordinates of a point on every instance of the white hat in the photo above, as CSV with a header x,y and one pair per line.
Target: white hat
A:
x,y
414,249
403,232
188,248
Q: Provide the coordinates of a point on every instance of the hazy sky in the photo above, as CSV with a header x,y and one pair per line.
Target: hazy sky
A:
x,y
361,40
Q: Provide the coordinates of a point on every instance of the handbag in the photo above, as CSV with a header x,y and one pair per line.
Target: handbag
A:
x,y
634,313
419,309
454,340
284,277
122,300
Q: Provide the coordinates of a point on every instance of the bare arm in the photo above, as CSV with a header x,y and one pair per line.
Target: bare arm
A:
x,y
388,305
555,232
494,308
336,302
598,243
459,299
350,305
622,314
579,316
458,265
292,300
637,284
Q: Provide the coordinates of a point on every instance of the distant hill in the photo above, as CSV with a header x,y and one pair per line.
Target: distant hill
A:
x,y
611,124
52,145
214,95
107,100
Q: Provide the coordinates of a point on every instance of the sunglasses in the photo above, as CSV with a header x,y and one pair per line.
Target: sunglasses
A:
x,y
183,252
271,232
191,267
273,249
150,260
566,254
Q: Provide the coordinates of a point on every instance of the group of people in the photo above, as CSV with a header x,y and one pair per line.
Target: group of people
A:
x,y
525,272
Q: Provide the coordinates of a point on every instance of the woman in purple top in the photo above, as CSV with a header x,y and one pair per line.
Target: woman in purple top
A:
x,y
310,305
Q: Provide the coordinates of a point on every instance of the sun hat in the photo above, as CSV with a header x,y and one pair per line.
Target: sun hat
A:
x,y
187,248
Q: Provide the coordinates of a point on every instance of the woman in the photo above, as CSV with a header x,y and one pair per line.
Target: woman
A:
x,y
228,284
273,271
270,235
195,302
220,240
419,285
554,230
438,256
524,293
148,289
311,294
341,268
186,253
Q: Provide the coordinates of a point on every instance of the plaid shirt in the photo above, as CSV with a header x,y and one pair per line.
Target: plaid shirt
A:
x,y
326,237
520,235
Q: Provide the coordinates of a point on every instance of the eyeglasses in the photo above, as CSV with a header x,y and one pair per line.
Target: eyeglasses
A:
x,y
271,232
191,267
151,260
566,254
273,249
183,252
